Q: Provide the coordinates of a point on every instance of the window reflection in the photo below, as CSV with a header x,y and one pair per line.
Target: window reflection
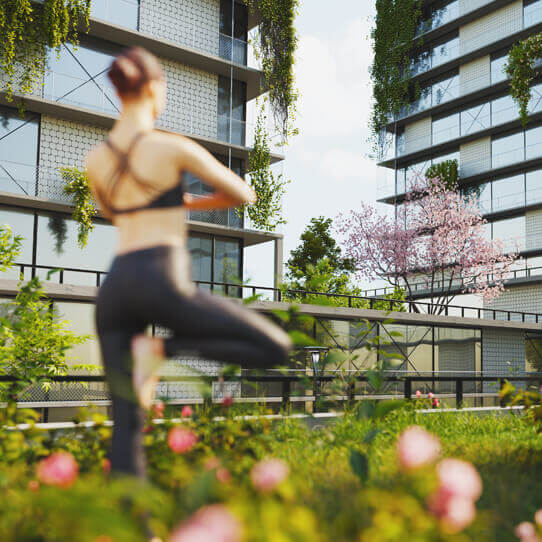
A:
x,y
497,69
503,110
475,119
532,13
21,223
233,31
18,151
507,150
446,128
511,231
232,110
200,248
508,193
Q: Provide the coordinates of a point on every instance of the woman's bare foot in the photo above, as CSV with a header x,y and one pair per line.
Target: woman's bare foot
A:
x,y
148,355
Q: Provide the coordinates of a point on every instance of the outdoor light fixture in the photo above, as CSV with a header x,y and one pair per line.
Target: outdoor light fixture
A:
x,y
317,368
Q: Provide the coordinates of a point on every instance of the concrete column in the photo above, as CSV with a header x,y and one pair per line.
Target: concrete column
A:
x,y
279,254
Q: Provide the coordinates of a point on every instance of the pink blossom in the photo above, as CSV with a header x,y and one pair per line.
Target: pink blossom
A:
x,y
455,513
214,523
60,469
181,440
526,532
417,447
538,517
227,401
223,475
158,409
33,485
268,474
106,465
459,479
436,402
212,463
187,411
418,394
430,395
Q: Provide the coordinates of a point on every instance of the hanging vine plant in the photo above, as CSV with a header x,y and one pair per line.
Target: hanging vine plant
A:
x,y
28,29
275,47
393,41
520,68
59,230
266,213
77,186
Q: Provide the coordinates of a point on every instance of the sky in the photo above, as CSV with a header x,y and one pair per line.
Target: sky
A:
x,y
328,162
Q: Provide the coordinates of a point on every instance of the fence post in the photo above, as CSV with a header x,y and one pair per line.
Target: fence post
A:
x,y
351,392
459,393
408,388
286,396
501,386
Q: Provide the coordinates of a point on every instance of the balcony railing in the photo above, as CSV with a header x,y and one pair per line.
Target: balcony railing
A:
x,y
233,49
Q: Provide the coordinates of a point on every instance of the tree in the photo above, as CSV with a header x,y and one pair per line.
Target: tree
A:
x,y
317,243
437,241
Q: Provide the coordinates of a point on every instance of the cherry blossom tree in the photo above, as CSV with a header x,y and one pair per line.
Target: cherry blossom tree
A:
x,y
436,243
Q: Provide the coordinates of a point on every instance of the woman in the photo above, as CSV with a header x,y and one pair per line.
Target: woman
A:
x,y
136,177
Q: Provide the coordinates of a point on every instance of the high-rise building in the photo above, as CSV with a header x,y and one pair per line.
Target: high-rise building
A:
x,y
465,112
203,47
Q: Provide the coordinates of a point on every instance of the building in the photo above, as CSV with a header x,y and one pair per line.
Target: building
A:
x,y
202,45
465,113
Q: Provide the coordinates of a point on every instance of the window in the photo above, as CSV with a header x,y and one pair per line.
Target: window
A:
x,y
497,69
533,143
201,251
532,13
416,173
18,152
78,77
446,129
232,110
445,157
535,104
511,231
21,223
503,110
446,90
444,14
533,186
445,52
233,31
482,193
507,150
475,119
509,193
120,12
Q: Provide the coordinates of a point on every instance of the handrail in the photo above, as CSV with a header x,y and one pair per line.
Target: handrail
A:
x,y
372,303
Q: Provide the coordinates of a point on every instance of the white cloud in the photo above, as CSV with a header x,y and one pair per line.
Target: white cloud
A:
x,y
342,164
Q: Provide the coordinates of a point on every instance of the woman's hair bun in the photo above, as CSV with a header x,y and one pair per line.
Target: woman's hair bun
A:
x,y
132,69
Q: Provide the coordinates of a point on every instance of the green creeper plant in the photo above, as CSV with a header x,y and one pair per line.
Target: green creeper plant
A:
x,y
520,68
28,29
266,213
275,45
10,247
393,41
59,230
77,186
447,172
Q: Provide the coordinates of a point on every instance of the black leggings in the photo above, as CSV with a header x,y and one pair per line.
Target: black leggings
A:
x,y
152,286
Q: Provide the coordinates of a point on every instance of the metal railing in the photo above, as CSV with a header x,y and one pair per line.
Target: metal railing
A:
x,y
316,386
300,296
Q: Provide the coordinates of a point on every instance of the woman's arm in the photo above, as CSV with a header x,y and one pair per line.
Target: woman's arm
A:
x,y
217,200
230,189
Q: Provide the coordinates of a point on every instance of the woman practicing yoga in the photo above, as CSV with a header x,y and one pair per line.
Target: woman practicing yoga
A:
x,y
136,177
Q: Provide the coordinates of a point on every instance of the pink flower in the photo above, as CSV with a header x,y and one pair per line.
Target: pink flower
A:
x,y
212,463
455,513
181,440
187,411
158,409
223,475
436,402
418,394
430,395
214,523
106,465
268,474
417,447
526,532
227,401
538,517
459,479
60,469
33,485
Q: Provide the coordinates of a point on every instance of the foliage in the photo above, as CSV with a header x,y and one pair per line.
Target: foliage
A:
x,y
447,172
436,242
521,71
266,213
28,30
77,186
531,399
393,41
59,230
275,46
33,341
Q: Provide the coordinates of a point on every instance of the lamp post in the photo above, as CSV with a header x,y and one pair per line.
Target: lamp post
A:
x,y
315,353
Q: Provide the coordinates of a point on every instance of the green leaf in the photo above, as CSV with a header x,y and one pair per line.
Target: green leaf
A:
x,y
360,465
369,437
383,408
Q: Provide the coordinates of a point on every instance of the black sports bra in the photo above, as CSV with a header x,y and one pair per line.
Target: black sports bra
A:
x,y
170,198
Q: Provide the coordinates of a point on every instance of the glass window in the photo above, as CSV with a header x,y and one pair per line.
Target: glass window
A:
x,y
226,17
233,31
482,193
511,231
444,157
475,119
201,249
532,13
96,256
458,350
18,152
508,193
416,173
503,110
421,104
401,181
67,80
445,52
446,129
119,12
444,14
227,264
446,90
533,143
535,103
507,150
232,110
421,63
21,223
533,183
497,69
